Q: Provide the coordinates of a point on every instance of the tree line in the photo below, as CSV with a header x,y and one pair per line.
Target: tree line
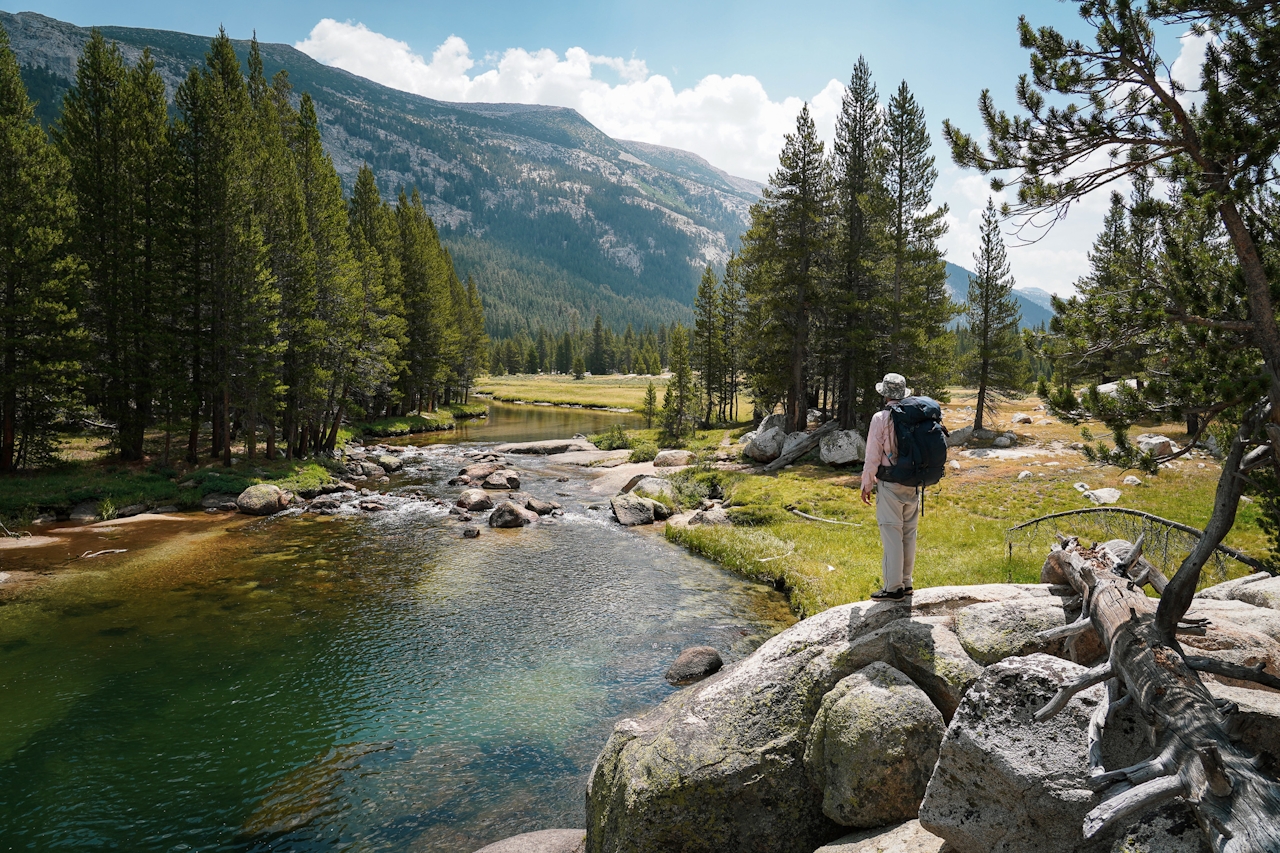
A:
x,y
167,266
598,350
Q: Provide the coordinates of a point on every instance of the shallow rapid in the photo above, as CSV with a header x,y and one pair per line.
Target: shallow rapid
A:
x,y
359,681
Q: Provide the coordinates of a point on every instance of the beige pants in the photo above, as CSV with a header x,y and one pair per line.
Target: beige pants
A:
x,y
897,513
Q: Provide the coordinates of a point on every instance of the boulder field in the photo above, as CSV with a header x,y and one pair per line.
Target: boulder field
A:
x,y
910,724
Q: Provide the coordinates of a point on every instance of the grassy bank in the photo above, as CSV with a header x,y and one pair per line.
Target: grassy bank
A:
x,y
614,391
114,486
962,536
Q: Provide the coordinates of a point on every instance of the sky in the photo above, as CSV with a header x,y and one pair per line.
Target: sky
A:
x,y
724,80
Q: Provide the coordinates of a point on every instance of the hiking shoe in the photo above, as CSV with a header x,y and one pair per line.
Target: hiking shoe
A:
x,y
886,595
908,590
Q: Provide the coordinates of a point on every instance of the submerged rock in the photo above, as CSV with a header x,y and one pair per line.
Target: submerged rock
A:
x,y
546,448
694,664
542,841
502,480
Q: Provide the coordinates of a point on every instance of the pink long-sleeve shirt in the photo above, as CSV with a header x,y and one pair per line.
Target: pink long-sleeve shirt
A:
x,y
882,446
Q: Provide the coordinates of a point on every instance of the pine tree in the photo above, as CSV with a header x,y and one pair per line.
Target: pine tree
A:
x,y
650,405
38,335
784,252
113,131
995,364
856,307
920,309
679,401
579,367
732,314
280,206
313,404
597,362
705,354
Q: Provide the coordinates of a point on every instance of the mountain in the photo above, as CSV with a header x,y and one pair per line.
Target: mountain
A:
x,y
1034,302
556,220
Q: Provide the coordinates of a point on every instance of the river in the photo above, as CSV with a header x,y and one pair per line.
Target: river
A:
x,y
361,681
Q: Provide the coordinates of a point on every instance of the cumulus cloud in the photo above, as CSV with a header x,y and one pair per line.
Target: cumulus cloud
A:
x,y
729,120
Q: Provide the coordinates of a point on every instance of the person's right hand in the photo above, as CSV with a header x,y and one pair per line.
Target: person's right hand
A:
x,y
866,495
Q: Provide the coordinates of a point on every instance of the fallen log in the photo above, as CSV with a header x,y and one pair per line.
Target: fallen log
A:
x,y
1237,805
809,442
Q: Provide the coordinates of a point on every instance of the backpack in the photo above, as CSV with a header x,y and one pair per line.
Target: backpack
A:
x,y
922,443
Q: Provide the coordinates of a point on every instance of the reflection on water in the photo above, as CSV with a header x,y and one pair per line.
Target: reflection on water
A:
x,y
347,683
512,422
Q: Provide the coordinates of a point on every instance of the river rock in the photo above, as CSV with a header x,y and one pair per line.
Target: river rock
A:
x,y
262,499
475,500
542,841
471,532
389,463
218,500
714,517
502,480
539,506
509,514
694,664
632,510
767,445
957,437
86,512
1003,441
650,486
909,837
371,469
1005,783
929,653
546,448
1150,442
480,470
872,747
131,510
673,458
842,447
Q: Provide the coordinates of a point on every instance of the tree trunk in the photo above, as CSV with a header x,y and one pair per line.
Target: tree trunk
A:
x,y
1238,806
226,428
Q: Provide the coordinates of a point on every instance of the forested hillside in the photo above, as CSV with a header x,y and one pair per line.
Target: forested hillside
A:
x,y
194,267
579,223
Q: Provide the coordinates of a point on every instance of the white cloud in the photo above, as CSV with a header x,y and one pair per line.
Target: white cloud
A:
x,y
729,120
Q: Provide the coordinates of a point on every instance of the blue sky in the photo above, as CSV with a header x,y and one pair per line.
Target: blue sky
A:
x,y
721,79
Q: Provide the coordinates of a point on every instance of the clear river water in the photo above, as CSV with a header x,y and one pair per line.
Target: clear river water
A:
x,y
355,682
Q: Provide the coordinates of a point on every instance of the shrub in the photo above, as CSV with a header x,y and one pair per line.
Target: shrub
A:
x,y
645,451
615,439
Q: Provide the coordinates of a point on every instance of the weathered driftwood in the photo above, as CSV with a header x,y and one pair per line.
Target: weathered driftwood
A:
x,y
1237,805
809,442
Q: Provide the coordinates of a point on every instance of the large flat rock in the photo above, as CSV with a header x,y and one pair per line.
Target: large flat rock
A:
x,y
547,447
909,837
543,841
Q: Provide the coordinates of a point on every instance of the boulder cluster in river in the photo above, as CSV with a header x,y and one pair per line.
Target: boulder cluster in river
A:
x,y
917,721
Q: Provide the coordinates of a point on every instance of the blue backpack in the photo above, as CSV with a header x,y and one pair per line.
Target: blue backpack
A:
x,y
922,443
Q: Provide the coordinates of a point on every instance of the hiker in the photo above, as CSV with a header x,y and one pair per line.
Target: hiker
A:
x,y
896,477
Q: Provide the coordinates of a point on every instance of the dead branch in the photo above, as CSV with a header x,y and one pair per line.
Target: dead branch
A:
x,y
1239,556
1133,801
1083,681
824,520
89,555
809,442
1233,670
